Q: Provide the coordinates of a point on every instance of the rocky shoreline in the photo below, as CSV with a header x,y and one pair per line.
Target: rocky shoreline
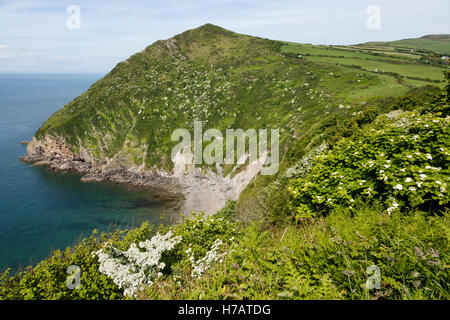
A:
x,y
207,192
58,157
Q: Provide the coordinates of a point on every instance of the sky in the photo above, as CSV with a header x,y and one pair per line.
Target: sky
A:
x,y
79,36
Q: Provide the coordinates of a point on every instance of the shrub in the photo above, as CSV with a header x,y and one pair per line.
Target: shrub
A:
x,y
401,160
199,234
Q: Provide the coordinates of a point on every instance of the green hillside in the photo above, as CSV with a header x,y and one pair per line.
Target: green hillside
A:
x,y
362,183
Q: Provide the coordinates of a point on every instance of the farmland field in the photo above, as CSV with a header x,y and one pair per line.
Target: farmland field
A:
x,y
397,66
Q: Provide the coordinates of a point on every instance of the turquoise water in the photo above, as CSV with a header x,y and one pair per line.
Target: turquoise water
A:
x,y
41,210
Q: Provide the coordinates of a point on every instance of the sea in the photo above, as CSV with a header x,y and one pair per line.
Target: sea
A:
x,y
42,210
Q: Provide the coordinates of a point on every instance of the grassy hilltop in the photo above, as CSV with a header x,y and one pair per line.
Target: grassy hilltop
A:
x,y
358,209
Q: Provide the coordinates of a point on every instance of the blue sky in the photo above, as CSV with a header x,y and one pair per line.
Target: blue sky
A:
x,y
34,36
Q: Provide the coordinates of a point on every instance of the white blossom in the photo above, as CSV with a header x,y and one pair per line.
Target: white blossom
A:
x,y
394,206
200,266
137,266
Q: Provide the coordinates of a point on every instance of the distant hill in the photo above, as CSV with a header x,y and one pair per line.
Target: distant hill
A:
x,y
445,37
437,43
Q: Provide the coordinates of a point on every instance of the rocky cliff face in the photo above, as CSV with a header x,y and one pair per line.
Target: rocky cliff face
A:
x,y
54,151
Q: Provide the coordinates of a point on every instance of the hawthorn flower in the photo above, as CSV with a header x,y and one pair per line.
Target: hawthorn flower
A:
x,y
394,206
137,266
200,266
398,187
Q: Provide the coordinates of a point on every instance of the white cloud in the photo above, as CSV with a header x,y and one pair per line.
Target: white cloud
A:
x,y
17,54
9,52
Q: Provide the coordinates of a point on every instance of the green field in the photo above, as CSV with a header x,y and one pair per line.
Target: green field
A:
x,y
439,44
396,65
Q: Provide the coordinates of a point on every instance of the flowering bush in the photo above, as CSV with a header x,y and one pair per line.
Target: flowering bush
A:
x,y
137,266
400,160
205,240
173,251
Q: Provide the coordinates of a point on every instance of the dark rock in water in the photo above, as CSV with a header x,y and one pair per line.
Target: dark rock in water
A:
x,y
42,163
